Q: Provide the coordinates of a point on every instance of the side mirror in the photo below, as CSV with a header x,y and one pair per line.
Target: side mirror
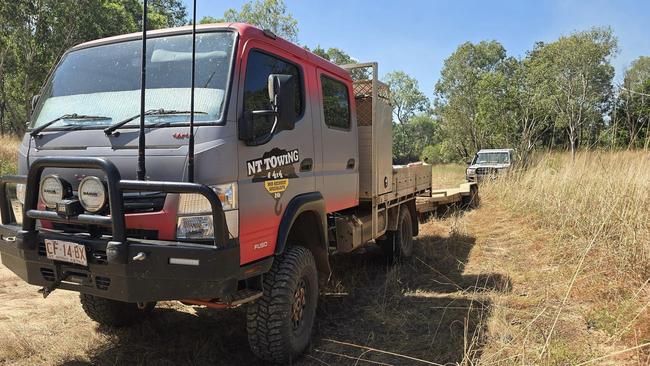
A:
x,y
282,97
35,101
282,94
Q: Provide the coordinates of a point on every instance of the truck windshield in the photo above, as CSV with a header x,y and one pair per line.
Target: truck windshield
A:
x,y
493,158
105,81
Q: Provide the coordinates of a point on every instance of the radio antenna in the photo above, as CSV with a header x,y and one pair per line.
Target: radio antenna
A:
x,y
141,171
190,153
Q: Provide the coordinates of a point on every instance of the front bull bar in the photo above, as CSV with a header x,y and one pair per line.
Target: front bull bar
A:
x,y
117,248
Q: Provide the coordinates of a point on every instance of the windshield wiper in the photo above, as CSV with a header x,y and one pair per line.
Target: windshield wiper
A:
x,y
42,127
152,112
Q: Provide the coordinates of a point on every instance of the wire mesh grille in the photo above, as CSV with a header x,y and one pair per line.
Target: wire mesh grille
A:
x,y
363,94
362,76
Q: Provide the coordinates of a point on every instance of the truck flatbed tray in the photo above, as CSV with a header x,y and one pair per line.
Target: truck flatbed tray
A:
x,y
443,197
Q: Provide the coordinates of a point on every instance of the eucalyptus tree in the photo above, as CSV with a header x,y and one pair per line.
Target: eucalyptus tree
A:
x,y
633,104
469,76
575,74
406,97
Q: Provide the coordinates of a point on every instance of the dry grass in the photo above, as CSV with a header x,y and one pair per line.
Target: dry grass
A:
x,y
8,154
586,234
504,284
448,175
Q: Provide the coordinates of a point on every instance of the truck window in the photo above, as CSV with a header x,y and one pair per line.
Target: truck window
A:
x,y
105,80
256,93
493,158
336,103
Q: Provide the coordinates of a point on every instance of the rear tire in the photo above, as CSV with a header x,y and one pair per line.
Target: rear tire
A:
x,y
114,313
280,323
398,244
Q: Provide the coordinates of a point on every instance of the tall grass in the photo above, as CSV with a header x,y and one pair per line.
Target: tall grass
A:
x,y
595,256
602,196
8,154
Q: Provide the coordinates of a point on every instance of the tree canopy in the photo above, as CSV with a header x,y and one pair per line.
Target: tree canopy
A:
x,y
557,95
407,99
469,92
560,94
576,74
631,113
333,54
35,33
266,14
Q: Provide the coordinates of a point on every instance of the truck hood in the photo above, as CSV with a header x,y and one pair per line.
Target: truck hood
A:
x,y
166,152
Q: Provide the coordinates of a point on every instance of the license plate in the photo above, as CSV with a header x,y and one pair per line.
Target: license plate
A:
x,y
66,251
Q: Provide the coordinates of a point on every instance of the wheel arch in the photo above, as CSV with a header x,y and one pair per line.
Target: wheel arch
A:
x,y
305,222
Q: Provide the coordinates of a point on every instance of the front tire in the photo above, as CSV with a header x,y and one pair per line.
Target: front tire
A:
x,y
114,313
398,244
280,323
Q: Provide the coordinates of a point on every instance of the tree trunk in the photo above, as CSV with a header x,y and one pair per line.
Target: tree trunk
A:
x,y
572,141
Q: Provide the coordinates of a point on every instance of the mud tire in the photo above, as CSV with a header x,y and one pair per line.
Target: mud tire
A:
x,y
274,334
114,313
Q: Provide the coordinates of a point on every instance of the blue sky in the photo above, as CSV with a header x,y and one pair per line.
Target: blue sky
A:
x,y
416,36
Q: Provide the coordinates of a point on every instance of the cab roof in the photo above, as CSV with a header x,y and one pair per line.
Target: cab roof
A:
x,y
245,31
494,150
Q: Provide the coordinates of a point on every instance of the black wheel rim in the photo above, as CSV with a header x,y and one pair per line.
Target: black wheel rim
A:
x,y
299,304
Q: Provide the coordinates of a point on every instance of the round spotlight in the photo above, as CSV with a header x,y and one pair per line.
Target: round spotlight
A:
x,y
92,194
53,190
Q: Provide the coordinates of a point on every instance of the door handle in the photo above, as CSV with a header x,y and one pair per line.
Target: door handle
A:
x,y
306,165
351,164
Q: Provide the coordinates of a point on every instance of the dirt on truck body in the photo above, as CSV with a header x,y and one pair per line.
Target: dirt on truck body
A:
x,y
286,163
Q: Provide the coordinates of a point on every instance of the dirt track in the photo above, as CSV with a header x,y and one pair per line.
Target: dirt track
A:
x,y
433,308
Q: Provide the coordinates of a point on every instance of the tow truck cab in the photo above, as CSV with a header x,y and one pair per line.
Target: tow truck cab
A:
x,y
255,175
275,152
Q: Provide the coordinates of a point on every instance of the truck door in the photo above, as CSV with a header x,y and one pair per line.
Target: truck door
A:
x,y
270,175
339,172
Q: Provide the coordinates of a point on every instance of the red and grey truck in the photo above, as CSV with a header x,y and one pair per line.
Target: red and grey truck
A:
x,y
229,187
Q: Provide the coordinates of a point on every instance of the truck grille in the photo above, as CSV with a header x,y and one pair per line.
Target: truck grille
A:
x,y
486,171
134,202
138,202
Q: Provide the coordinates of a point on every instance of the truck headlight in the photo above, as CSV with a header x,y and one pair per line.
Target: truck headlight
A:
x,y
92,194
195,227
470,171
195,213
54,189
